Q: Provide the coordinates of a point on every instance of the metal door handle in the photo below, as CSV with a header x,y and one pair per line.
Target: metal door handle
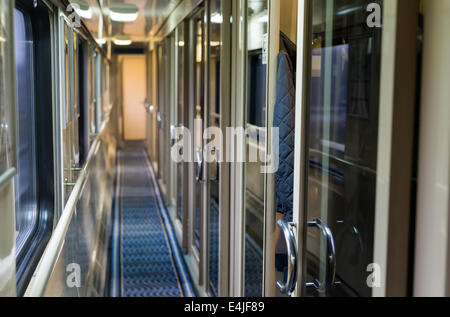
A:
x,y
330,270
287,287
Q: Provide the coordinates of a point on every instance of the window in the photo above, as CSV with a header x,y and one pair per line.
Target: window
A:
x,y
99,91
256,89
34,182
25,180
84,99
92,96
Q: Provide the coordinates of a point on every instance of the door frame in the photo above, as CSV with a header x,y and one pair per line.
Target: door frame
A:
x,y
237,173
195,260
238,169
432,269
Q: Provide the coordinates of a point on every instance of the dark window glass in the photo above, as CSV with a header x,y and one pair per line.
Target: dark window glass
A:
x,y
343,138
26,180
256,90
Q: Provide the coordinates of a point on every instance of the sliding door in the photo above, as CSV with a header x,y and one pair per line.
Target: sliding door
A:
x,y
354,168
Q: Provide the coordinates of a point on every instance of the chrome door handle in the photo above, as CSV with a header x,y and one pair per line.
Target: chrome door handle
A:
x,y
330,275
287,287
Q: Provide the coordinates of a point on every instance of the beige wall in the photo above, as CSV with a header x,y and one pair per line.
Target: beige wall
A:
x,y
7,242
432,256
134,94
288,18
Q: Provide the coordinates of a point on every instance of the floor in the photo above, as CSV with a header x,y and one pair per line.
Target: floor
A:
x,y
146,261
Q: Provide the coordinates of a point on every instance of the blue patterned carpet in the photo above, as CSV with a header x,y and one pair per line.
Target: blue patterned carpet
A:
x,y
146,260
148,264
253,258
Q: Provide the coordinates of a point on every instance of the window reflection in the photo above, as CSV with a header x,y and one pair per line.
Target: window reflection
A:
x,y
199,111
343,140
25,181
214,121
257,21
181,51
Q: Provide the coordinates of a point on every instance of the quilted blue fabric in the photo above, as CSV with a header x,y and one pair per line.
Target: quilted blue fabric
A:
x,y
284,119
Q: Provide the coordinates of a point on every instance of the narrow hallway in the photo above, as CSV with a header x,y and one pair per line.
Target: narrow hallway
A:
x,y
146,259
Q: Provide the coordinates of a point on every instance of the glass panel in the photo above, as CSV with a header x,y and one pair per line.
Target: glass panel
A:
x,y
214,121
159,119
67,65
343,143
7,156
92,115
26,179
199,113
75,103
166,114
256,125
181,51
284,120
99,90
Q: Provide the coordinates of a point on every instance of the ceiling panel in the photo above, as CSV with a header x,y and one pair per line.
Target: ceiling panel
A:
x,y
152,14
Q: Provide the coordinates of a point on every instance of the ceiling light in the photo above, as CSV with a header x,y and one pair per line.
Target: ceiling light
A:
x,y
123,12
123,42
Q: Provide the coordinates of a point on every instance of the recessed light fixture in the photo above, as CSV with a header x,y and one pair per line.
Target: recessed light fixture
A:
x,y
123,12
122,41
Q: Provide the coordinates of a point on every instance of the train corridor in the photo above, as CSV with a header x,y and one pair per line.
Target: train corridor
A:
x,y
146,260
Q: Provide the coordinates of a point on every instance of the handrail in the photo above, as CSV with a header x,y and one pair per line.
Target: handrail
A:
x,y
6,177
51,254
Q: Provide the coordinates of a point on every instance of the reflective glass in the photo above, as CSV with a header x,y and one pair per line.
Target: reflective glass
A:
x,y
214,121
26,178
181,51
199,113
343,138
257,26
